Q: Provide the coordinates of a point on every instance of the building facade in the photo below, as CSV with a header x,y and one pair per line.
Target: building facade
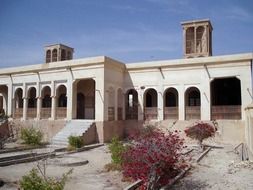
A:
x,y
200,86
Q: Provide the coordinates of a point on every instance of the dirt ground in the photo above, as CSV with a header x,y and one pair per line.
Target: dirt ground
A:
x,y
89,176
220,169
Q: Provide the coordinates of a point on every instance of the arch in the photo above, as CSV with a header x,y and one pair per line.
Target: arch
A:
x,y
200,39
61,107
18,99
46,102
150,104
54,55
31,94
86,87
171,103
131,105
46,97
120,103
32,103
111,104
226,98
192,103
189,40
4,99
63,54
80,106
48,56
61,94
150,98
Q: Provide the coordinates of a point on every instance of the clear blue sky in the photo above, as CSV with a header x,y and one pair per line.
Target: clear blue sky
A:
x,y
126,30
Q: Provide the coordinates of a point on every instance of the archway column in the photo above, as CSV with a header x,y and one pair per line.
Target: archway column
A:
x,y
124,107
10,103
39,104
25,106
116,104
160,106
100,100
140,106
181,103
205,101
71,93
53,107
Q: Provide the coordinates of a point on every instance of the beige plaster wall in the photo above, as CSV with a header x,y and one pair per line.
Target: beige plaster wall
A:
x,y
48,127
90,136
228,131
4,130
108,129
249,128
162,75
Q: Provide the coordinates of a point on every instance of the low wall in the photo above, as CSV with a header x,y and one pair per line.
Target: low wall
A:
x,y
108,129
228,131
249,128
48,127
90,136
4,129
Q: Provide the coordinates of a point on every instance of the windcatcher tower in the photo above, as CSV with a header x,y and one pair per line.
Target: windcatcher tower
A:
x,y
197,36
58,52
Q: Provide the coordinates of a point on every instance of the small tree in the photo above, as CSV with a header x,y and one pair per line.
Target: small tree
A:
x,y
200,131
41,182
154,157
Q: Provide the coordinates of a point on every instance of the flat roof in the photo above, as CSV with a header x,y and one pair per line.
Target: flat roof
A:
x,y
191,61
130,66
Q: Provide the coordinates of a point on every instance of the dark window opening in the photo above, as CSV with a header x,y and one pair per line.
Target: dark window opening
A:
x,y
46,102
226,91
62,102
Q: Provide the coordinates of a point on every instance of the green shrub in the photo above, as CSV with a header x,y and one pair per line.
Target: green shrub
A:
x,y
31,136
116,148
75,141
35,181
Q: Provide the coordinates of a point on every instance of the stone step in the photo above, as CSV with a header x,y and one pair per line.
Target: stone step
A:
x,y
74,127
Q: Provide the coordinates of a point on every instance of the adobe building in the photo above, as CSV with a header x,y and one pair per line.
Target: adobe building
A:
x,y
110,93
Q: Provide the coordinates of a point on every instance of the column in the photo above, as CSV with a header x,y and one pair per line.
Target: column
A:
x,y
195,40
116,105
160,105
205,99
10,103
181,102
71,100
101,105
25,105
140,106
39,104
53,107
124,107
